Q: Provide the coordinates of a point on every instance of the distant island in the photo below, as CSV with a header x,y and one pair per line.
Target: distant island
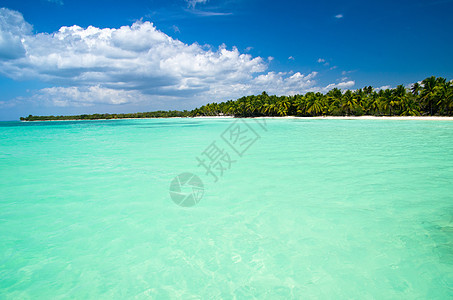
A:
x,y
432,97
152,114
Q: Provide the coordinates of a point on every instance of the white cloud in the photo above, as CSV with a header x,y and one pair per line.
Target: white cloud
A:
x,y
193,3
339,16
12,28
283,84
291,58
86,96
133,64
384,87
323,61
346,72
176,29
344,85
203,13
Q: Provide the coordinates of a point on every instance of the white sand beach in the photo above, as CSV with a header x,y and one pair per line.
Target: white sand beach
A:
x,y
421,118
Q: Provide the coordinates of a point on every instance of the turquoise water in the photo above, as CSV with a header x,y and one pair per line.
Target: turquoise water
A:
x,y
320,209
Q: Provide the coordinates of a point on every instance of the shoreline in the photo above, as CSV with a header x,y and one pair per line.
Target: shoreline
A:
x,y
399,118
420,118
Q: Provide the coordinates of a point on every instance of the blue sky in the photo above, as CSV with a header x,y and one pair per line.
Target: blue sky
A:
x,y
72,57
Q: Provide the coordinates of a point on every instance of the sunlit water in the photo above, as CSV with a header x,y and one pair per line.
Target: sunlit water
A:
x,y
312,209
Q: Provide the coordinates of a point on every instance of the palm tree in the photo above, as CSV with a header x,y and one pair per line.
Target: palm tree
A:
x,y
270,109
372,104
249,108
416,87
432,96
444,96
300,105
428,93
333,101
385,97
409,106
399,96
283,106
348,102
232,110
315,106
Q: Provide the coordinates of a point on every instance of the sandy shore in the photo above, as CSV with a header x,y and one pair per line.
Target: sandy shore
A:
x,y
287,117
344,118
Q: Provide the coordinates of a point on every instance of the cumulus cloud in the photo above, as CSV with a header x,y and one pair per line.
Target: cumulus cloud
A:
x,y
283,83
384,87
344,85
12,28
86,96
132,64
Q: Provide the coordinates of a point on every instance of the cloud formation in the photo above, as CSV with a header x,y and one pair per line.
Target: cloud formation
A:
x,y
12,28
203,13
86,96
132,64
176,29
193,3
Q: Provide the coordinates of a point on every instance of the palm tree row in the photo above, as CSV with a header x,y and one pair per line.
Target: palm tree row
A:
x,y
433,96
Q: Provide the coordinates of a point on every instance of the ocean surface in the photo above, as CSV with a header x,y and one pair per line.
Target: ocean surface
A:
x,y
281,209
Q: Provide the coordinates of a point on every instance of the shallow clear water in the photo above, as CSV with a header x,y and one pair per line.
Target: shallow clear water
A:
x,y
312,209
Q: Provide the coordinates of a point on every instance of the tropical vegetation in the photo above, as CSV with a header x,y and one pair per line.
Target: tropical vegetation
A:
x,y
152,114
431,97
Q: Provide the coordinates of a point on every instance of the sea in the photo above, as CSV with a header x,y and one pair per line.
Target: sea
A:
x,y
225,208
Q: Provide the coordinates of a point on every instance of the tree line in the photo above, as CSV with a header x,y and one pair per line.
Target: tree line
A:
x,y
432,97
151,114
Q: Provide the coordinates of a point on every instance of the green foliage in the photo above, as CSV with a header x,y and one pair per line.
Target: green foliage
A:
x,y
432,97
153,114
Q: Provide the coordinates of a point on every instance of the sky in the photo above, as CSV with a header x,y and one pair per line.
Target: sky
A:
x,y
74,57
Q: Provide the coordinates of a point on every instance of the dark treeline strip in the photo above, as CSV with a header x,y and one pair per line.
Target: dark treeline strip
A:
x,y
432,97
152,114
